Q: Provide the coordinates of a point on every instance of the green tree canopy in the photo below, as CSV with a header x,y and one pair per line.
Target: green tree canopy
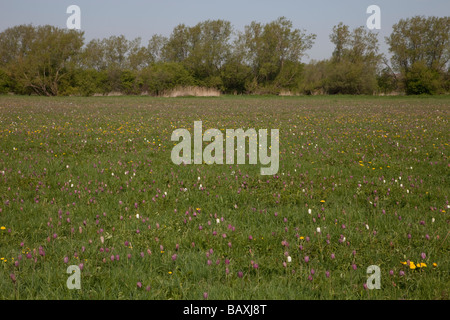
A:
x,y
420,43
38,58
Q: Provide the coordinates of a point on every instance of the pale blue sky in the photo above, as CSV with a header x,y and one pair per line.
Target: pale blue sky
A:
x,y
135,18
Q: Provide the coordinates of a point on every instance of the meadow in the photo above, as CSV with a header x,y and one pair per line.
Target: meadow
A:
x,y
89,182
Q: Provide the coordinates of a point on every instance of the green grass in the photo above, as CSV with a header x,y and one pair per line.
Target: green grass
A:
x,y
380,164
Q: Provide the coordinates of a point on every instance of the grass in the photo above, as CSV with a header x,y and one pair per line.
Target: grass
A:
x,y
76,171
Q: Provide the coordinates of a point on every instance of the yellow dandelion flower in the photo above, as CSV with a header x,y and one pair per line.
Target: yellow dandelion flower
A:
x,y
422,265
403,263
435,264
412,266
3,228
322,201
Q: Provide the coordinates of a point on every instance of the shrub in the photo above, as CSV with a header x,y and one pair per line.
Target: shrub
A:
x,y
422,80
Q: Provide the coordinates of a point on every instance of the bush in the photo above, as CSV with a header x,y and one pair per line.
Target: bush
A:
x,y
165,76
386,81
345,77
422,80
4,82
235,76
130,83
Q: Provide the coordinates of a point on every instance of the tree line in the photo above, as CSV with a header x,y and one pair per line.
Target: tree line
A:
x,y
261,59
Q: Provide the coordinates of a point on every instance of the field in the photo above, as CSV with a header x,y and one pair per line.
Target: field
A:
x,y
362,181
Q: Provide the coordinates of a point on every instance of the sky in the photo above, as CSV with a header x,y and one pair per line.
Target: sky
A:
x,y
138,18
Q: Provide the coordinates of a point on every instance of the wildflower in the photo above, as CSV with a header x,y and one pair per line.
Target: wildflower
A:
x,y
423,255
421,265
139,284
